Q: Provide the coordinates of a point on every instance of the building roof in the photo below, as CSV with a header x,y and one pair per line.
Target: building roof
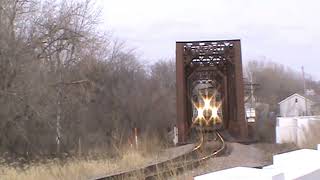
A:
x,y
295,94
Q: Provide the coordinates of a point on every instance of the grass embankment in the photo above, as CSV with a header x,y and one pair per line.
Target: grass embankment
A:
x,y
73,168
83,167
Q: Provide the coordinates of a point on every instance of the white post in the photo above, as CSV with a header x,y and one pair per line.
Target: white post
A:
x,y
136,137
175,135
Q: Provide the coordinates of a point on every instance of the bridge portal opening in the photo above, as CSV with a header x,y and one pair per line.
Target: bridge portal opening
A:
x,y
210,87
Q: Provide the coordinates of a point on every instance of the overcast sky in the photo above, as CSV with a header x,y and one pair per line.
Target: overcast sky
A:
x,y
284,31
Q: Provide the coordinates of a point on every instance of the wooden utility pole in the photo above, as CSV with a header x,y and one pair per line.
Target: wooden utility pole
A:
x,y
59,103
304,91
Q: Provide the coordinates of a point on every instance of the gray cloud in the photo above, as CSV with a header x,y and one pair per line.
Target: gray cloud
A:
x,y
284,31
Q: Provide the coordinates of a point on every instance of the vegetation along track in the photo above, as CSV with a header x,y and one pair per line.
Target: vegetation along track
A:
x,y
172,166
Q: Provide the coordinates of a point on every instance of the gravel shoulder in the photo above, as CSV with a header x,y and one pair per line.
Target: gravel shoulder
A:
x,y
254,155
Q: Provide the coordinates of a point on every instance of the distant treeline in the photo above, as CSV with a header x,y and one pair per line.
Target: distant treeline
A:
x,y
277,82
64,83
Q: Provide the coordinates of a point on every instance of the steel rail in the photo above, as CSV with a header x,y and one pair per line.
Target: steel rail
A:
x,y
167,167
180,166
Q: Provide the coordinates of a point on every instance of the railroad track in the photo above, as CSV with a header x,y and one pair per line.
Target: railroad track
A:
x,y
166,168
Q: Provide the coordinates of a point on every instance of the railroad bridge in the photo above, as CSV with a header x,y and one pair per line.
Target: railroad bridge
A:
x,y
216,65
210,95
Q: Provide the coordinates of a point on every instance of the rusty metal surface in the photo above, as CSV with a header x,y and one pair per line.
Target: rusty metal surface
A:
x,y
181,93
219,61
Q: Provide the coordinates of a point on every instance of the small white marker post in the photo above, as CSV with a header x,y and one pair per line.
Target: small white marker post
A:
x,y
175,135
136,137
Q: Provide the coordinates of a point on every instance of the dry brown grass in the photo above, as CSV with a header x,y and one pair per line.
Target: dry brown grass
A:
x,y
83,168
73,168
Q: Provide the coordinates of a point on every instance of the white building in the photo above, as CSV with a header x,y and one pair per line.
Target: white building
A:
x,y
295,105
302,131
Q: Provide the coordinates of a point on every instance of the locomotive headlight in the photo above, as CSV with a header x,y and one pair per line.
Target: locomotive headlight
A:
x,y
200,113
207,103
214,112
207,109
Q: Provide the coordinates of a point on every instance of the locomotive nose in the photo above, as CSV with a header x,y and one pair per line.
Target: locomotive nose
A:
x,y
206,106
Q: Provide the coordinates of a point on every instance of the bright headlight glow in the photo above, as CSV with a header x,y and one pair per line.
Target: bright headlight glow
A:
x,y
200,113
214,112
207,102
207,111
